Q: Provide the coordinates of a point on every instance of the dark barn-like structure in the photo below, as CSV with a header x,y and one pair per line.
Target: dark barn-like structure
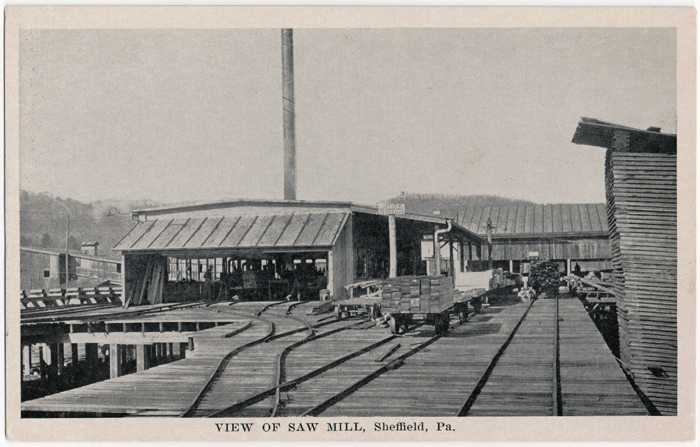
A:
x,y
568,233
640,185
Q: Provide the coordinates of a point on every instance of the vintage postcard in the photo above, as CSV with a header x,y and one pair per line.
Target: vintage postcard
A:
x,y
350,224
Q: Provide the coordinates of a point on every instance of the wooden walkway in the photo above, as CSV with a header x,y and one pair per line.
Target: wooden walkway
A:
x,y
499,363
440,380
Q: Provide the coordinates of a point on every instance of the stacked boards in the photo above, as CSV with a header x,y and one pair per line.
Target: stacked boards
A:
x,y
641,205
417,295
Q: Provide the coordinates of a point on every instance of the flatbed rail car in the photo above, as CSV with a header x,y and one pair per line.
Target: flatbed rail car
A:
x,y
364,297
427,299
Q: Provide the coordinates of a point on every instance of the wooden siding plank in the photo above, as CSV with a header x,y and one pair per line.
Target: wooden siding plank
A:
x,y
520,219
275,230
168,233
222,230
565,212
188,230
293,229
238,232
311,229
557,225
257,230
585,218
529,219
329,230
151,235
205,230
134,235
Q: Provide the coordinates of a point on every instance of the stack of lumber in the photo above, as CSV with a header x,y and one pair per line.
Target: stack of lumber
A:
x,y
149,283
641,205
544,277
417,294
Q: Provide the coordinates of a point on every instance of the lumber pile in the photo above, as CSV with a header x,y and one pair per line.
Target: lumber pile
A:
x,y
149,283
417,294
641,205
544,277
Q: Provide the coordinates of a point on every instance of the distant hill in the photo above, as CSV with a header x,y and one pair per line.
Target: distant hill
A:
x,y
448,205
43,222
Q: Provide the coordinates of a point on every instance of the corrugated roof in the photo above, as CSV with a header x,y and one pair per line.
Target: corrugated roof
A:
x,y
249,231
534,220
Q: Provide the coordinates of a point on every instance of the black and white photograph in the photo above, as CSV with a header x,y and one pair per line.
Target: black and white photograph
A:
x,y
297,231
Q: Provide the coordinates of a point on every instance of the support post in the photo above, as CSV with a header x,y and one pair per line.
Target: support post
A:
x,y
436,254
60,358
568,267
27,364
169,352
142,357
510,265
452,258
392,246
183,350
74,355
115,356
53,366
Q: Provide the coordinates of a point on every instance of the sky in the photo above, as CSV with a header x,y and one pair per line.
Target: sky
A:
x,y
196,115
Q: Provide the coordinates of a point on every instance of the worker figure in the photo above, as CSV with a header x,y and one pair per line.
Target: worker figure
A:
x,y
208,284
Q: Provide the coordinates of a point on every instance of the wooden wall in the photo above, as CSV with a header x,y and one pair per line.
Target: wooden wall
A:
x,y
94,268
342,262
559,248
32,266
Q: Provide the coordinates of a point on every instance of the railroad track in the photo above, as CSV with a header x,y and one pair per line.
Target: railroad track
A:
x,y
311,377
254,364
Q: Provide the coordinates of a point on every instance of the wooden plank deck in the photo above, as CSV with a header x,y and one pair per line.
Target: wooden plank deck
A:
x,y
435,381
592,382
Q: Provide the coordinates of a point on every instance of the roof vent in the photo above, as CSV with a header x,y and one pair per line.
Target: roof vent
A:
x,y
654,129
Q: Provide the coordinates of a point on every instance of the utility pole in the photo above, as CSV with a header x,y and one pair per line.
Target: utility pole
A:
x,y
68,216
67,245
489,228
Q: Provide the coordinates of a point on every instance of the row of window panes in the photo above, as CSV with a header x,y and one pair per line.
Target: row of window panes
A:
x,y
194,269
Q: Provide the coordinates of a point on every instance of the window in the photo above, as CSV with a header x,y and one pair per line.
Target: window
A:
x,y
119,268
47,273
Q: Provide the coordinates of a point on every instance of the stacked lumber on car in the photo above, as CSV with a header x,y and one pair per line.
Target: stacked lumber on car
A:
x,y
641,190
641,196
417,294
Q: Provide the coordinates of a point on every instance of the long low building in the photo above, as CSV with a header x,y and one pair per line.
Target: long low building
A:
x,y
273,249
568,233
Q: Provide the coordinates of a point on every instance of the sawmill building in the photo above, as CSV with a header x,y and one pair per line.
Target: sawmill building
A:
x,y
253,250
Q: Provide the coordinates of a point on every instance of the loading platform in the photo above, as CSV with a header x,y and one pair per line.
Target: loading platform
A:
x,y
544,358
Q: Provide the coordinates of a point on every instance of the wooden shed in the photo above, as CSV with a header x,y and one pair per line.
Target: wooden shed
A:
x,y
254,249
569,233
640,185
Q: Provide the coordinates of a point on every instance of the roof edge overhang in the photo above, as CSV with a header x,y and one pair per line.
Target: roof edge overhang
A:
x,y
566,235
228,250
592,132
291,204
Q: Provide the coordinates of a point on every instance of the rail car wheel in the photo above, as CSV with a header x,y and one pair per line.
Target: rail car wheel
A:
x,y
442,323
393,325
462,313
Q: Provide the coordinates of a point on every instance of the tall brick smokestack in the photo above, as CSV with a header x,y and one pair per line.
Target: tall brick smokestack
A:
x,y
290,168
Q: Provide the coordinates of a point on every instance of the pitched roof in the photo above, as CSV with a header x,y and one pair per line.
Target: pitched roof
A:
x,y
537,220
246,231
